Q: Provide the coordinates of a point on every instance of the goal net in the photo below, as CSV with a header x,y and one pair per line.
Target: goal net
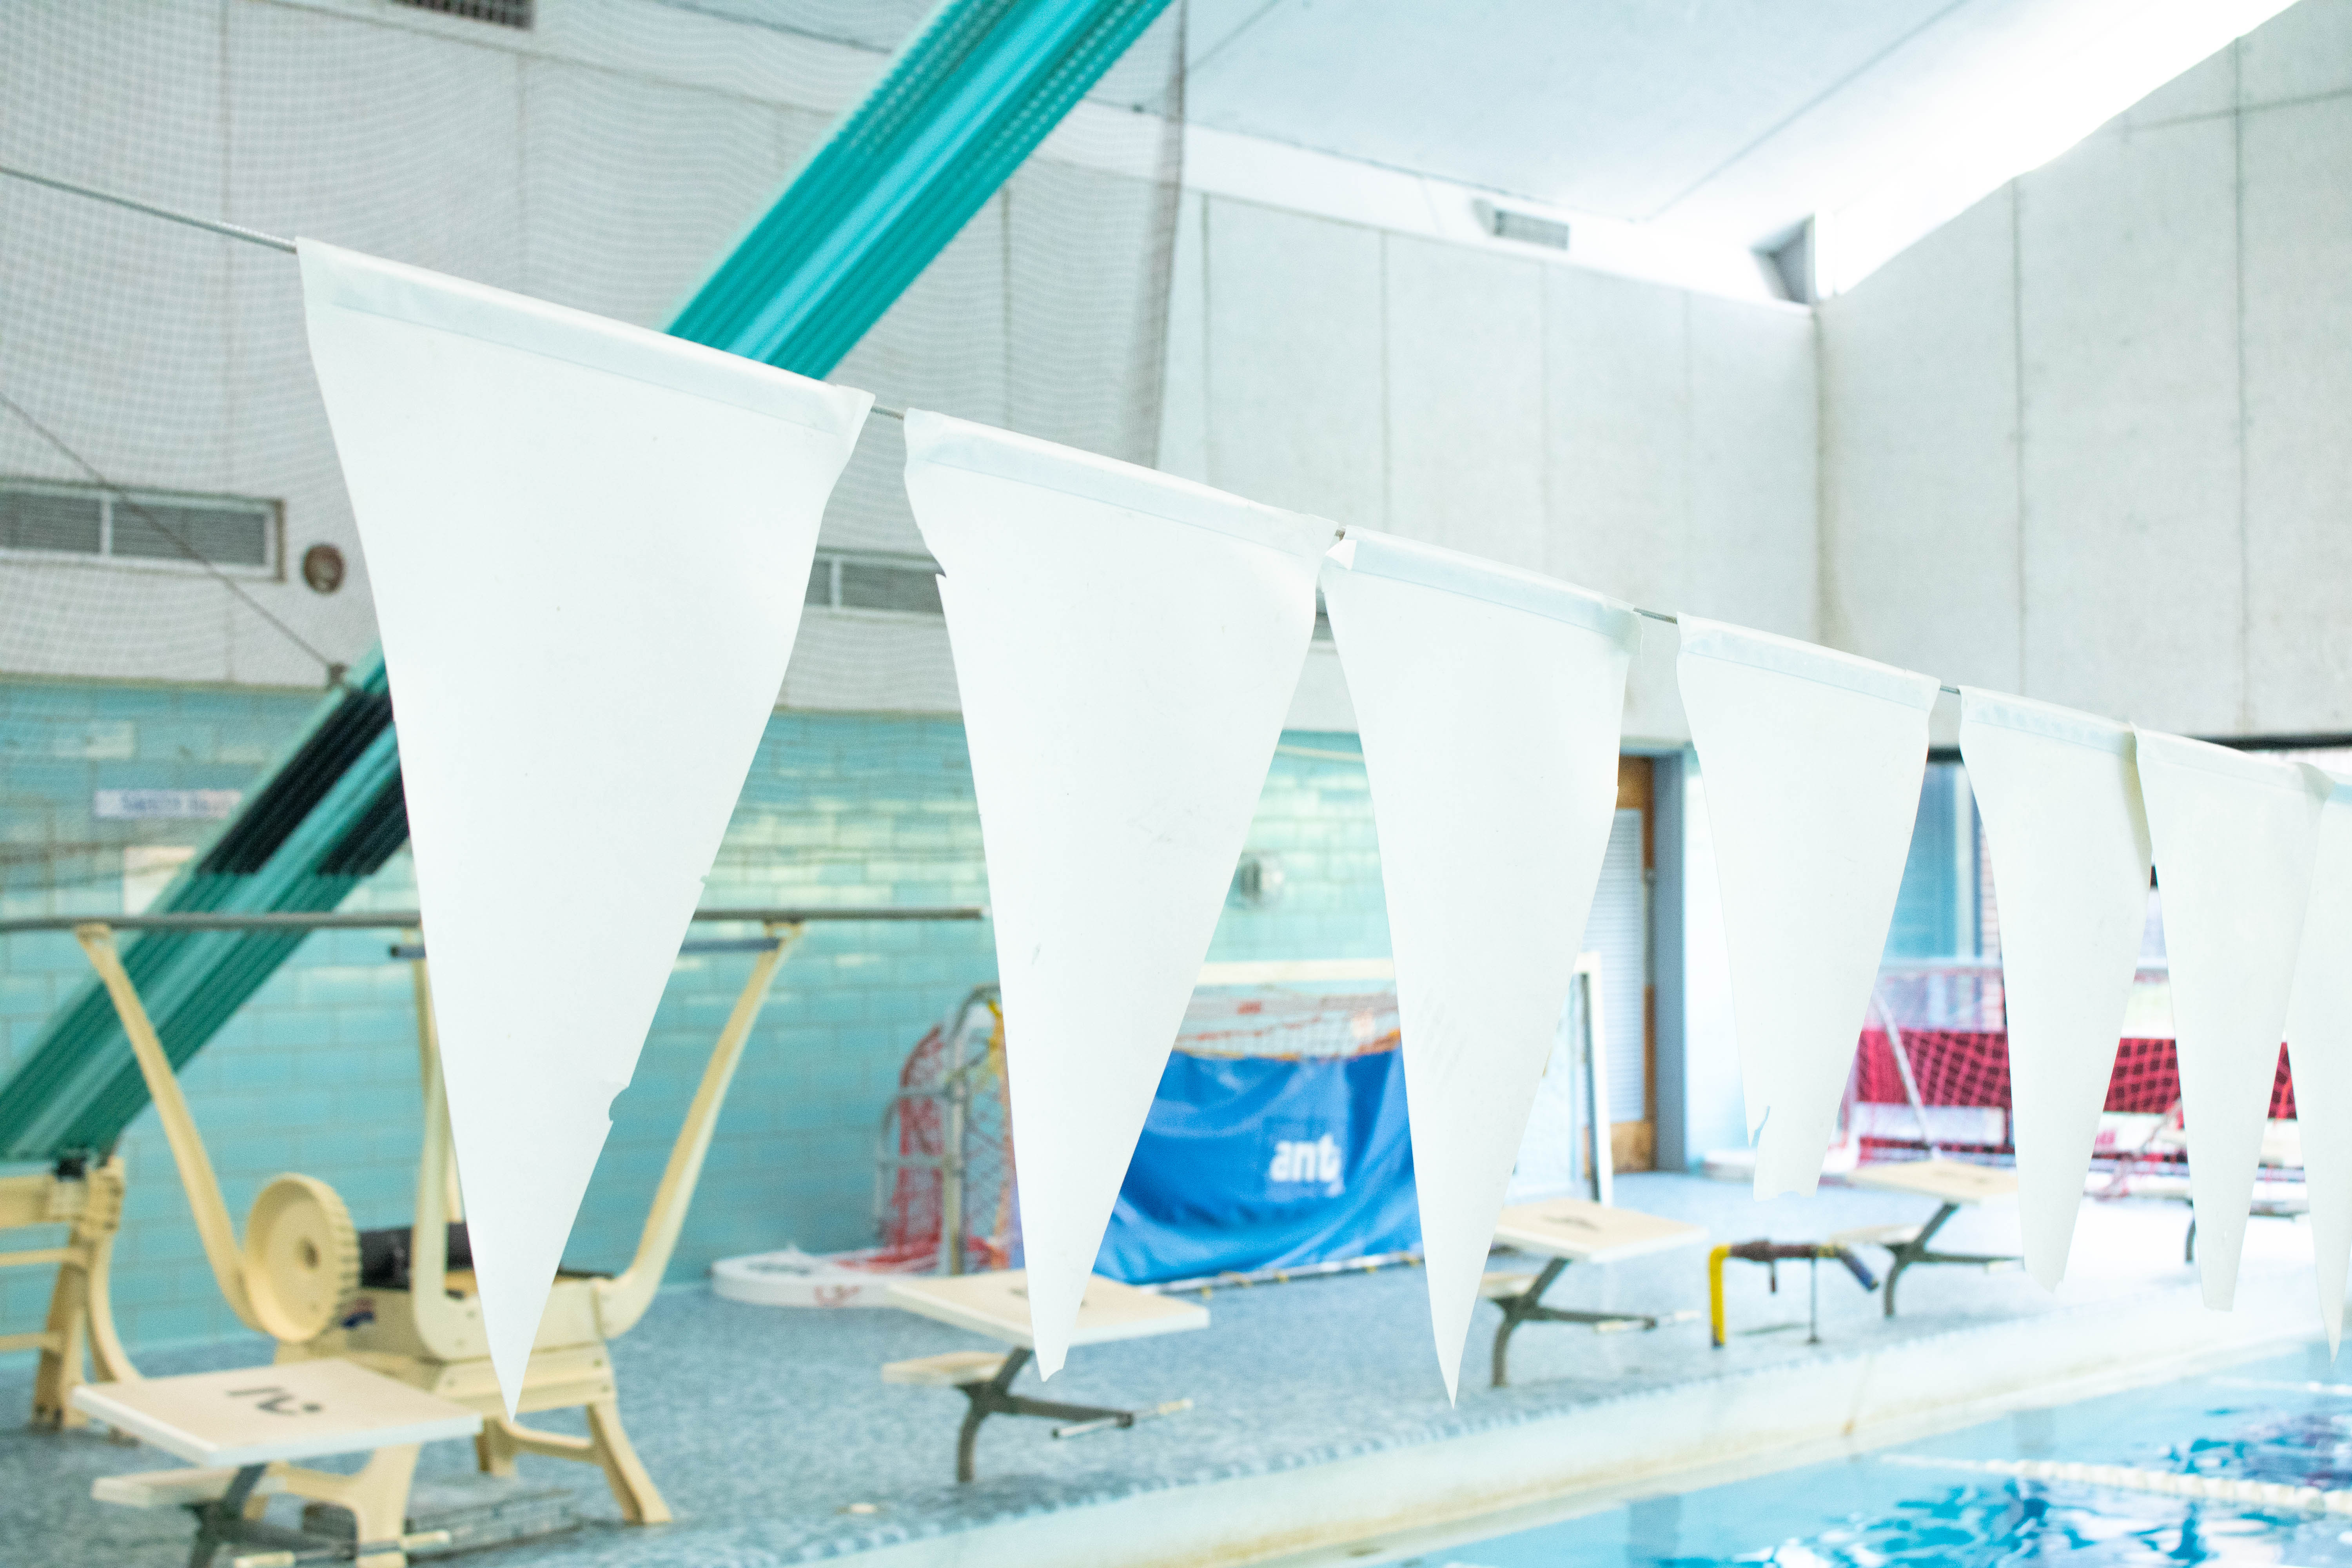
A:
x,y
944,1166
1947,1026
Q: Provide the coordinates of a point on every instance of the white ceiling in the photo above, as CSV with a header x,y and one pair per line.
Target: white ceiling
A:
x,y
1621,110
1719,122
1732,119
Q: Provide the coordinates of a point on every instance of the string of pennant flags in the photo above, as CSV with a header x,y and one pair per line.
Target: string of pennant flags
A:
x,y
1125,644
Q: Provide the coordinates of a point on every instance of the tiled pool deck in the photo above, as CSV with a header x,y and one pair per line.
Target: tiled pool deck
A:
x,y
764,1427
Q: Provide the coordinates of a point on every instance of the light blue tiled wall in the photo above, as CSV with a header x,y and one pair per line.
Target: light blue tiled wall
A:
x,y
317,1073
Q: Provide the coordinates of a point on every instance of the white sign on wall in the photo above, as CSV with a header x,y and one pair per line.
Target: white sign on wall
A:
x,y
164,805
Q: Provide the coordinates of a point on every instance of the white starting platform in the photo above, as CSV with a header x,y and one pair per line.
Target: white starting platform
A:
x,y
996,1305
2278,1193
1955,1184
1572,1230
243,1429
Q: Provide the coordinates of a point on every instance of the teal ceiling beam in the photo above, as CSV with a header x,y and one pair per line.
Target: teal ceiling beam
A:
x,y
980,85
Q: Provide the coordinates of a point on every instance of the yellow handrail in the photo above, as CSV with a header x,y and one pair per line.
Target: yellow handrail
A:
x,y
1714,1293
204,1201
621,1301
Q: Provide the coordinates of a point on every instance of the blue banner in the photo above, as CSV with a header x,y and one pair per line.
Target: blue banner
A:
x,y
1253,1163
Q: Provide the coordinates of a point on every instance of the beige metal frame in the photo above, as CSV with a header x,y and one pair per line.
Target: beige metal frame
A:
x,y
431,1335
80,1326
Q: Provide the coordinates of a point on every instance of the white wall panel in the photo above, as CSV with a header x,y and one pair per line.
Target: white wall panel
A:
x,y
405,145
2302,52
1185,393
1919,513
401,144
2179,302
1466,394
1754,467
1617,434
2127,271
112,326
866,661
2207,88
941,346
634,189
2298,360
1296,403
1617,446
1085,323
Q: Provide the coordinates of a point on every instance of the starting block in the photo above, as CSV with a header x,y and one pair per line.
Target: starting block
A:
x,y
243,1429
997,1304
1571,1230
1953,1183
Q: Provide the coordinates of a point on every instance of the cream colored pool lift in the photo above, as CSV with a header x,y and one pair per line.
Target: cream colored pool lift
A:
x,y
84,1196
296,1274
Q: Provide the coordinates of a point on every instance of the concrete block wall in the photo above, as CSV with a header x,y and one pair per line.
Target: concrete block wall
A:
x,y
2086,442
1647,441
605,158
317,1073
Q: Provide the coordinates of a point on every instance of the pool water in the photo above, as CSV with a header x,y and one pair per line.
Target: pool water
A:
x,y
2262,1422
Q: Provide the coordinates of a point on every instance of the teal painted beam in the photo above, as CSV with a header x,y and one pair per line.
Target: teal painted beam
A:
x,y
957,112
326,817
979,87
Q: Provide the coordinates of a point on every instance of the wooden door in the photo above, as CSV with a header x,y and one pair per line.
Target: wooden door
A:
x,y
1620,930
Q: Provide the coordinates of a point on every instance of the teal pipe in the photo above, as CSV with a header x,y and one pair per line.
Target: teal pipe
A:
x,y
958,112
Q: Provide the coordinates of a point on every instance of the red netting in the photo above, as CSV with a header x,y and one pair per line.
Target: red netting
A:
x,y
964,1056
960,1062
1289,1025
1970,1066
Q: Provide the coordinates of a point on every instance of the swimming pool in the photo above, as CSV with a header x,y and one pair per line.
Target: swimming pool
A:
x,y
2281,1421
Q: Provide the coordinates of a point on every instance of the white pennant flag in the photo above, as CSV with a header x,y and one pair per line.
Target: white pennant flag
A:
x,y
1126,646
2235,838
2319,1045
2070,862
588,546
1489,700
1813,760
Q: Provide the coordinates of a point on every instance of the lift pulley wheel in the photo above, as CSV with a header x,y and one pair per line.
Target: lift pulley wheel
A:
x,y
301,1258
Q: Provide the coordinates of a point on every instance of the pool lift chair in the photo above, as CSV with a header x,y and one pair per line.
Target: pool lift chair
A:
x,y
85,1194
298,1275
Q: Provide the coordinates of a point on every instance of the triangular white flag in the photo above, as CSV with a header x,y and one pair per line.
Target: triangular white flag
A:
x,y
1489,700
2235,838
1125,644
1813,760
2070,860
2319,1046
588,546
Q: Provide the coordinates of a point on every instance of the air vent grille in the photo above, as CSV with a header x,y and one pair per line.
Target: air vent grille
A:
x,y
845,582
37,517
499,13
1527,228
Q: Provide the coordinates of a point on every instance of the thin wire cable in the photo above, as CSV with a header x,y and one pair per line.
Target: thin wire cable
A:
x,y
334,669
212,226
256,238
